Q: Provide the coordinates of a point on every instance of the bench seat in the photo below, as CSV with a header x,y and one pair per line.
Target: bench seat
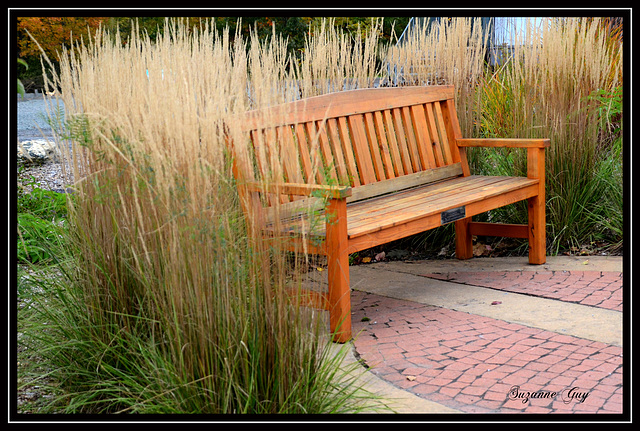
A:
x,y
373,221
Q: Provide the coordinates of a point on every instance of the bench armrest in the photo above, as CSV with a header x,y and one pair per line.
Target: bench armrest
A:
x,y
535,152
332,192
505,142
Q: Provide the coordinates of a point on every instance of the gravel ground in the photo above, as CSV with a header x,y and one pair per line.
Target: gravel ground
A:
x,y
32,124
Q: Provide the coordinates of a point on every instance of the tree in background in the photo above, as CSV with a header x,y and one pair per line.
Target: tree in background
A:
x,y
52,33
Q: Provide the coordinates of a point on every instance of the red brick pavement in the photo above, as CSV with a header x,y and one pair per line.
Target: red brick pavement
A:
x,y
479,364
595,288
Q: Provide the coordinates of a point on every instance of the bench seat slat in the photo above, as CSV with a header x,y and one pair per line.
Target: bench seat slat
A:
x,y
427,195
433,198
416,205
421,202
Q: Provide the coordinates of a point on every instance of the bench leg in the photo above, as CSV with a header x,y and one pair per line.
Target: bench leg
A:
x,y
338,271
464,244
537,231
536,206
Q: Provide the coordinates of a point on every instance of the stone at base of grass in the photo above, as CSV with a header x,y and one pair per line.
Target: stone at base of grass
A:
x,y
37,151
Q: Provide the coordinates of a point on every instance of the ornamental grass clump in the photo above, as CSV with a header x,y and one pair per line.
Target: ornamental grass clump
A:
x,y
558,78
546,88
170,304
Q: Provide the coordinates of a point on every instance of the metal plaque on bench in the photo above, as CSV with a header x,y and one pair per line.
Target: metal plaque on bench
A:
x,y
452,215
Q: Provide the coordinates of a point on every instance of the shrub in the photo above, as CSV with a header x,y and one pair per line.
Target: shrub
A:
x,y
40,217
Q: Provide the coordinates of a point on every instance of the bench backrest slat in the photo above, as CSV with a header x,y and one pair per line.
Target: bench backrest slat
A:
x,y
360,137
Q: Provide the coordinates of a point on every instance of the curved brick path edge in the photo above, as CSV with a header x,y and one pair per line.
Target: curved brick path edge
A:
x,y
478,364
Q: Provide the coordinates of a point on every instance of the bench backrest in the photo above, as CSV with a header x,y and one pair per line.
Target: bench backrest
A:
x,y
376,140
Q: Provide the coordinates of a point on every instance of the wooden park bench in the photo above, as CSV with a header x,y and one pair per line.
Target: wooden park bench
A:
x,y
382,164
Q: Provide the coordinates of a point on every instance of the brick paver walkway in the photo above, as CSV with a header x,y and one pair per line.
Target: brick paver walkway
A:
x,y
599,289
484,365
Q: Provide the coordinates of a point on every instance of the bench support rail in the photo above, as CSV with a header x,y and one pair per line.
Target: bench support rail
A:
x,y
534,231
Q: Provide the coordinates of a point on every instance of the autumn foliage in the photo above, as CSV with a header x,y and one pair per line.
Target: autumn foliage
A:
x,y
52,33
